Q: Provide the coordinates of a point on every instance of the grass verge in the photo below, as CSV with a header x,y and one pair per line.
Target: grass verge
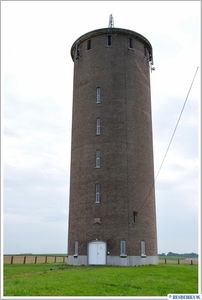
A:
x,y
65,280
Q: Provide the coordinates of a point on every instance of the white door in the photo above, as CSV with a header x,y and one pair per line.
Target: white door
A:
x,y
97,253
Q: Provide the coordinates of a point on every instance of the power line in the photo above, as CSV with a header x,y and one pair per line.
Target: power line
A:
x,y
176,124
171,138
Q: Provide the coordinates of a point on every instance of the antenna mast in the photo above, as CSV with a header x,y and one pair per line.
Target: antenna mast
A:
x,y
111,21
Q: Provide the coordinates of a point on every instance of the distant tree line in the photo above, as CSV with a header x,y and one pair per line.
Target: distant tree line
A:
x,y
179,254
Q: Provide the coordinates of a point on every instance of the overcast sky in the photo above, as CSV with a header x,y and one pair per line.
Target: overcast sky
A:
x,y
37,84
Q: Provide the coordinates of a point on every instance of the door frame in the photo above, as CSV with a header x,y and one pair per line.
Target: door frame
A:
x,y
97,242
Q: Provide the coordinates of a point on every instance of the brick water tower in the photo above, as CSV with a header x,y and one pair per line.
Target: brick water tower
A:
x,y
112,216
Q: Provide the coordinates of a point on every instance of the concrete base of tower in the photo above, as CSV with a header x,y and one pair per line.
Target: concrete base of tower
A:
x,y
132,260
78,260
116,260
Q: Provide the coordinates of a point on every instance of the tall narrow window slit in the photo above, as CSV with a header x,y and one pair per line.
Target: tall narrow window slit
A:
x,y
109,40
97,193
98,95
97,158
97,126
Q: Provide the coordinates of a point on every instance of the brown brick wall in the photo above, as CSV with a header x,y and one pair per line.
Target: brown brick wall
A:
x,y
125,143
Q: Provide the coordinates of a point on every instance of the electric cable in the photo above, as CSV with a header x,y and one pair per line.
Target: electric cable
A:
x,y
170,139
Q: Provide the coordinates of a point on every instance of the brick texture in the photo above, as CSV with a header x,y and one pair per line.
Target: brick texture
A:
x,y
126,173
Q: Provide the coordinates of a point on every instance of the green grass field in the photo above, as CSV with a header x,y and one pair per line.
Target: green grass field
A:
x,y
64,280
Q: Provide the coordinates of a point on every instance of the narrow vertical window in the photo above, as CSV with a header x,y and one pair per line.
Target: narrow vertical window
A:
x,y
109,40
88,44
134,216
123,248
130,43
76,248
98,95
145,51
143,253
77,52
97,193
98,126
97,159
